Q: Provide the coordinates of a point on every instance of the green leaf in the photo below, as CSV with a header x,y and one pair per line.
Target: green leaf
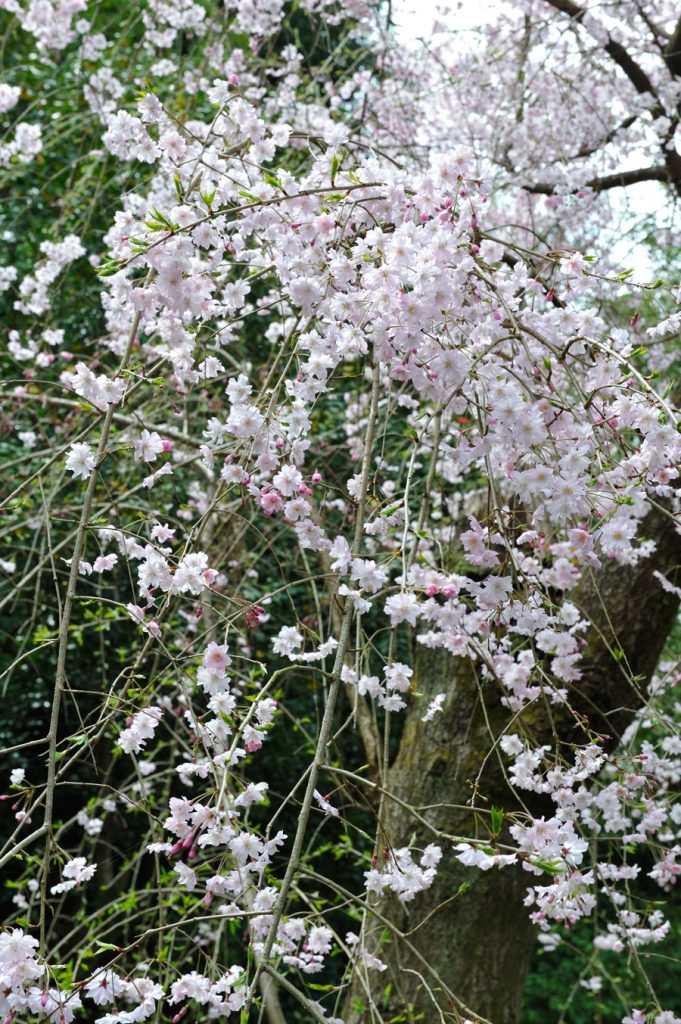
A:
x,y
335,164
43,635
497,820
551,867
109,268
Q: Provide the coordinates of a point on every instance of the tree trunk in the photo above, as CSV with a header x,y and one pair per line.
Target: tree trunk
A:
x,y
471,928
463,935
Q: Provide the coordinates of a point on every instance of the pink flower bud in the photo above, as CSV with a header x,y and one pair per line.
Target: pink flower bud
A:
x,y
233,79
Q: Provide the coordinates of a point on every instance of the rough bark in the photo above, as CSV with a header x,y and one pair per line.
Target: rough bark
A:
x,y
463,935
479,941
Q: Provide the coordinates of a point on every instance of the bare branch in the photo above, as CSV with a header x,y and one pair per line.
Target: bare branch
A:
x,y
618,180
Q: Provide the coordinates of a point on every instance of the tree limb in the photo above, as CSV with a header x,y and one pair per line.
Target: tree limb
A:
x,y
634,72
601,184
672,54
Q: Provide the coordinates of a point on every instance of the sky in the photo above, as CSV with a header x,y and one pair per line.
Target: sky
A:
x,y
413,18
